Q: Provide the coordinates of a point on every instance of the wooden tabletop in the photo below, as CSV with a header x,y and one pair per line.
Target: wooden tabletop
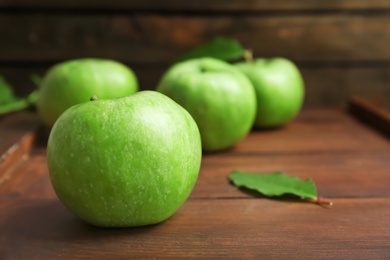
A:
x,y
348,160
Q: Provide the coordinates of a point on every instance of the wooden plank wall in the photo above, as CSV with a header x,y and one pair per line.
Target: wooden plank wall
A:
x,y
341,46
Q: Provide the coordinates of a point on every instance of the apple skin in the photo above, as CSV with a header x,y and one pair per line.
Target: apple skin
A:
x,y
76,81
279,90
217,95
130,161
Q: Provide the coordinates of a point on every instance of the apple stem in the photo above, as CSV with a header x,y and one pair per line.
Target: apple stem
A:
x,y
203,70
248,55
93,98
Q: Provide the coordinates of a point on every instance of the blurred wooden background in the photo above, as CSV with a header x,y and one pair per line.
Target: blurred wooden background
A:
x,y
341,46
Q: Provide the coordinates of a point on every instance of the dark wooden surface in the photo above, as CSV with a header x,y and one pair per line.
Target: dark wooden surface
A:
x,y
340,46
374,112
348,161
201,5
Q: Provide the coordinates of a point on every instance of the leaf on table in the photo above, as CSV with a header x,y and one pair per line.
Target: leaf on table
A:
x,y
220,48
276,184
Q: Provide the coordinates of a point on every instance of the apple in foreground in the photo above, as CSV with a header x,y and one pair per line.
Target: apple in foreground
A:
x,y
279,90
218,96
75,81
124,162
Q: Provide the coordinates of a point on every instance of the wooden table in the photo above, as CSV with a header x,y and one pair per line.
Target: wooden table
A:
x,y
348,161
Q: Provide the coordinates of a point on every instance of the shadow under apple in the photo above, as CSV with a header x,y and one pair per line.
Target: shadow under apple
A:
x,y
32,220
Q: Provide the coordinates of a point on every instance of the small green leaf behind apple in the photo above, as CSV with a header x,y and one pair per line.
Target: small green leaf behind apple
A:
x,y
279,90
124,162
222,48
9,103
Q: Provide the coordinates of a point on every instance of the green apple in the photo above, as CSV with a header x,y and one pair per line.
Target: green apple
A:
x,y
279,90
218,96
129,161
75,81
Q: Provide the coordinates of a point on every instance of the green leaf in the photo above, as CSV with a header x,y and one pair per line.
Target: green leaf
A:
x,y
36,79
219,47
10,103
275,184
6,93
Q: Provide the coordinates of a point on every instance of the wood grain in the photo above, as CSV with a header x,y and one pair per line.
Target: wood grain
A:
x,y
375,112
17,135
341,47
13,128
241,229
201,5
348,161
153,38
316,130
